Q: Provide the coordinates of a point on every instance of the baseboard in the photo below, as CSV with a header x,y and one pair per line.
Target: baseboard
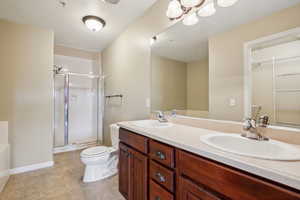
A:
x,y
28,168
4,176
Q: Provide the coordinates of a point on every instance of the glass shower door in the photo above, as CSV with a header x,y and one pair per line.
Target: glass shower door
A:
x,y
83,110
59,118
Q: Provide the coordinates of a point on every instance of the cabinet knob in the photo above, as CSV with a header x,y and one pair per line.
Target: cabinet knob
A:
x,y
161,155
160,177
157,198
126,153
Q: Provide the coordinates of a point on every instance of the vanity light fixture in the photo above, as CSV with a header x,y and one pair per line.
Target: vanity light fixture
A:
x,y
190,20
93,23
190,3
174,9
226,3
207,10
178,9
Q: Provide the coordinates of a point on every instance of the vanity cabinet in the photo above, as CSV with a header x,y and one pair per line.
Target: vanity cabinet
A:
x,y
133,170
151,170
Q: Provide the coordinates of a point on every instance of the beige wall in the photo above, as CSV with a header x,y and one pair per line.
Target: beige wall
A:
x,y
72,52
127,63
197,85
168,84
26,57
226,60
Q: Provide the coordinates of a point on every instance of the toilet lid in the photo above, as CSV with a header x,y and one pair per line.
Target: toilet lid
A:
x,y
93,151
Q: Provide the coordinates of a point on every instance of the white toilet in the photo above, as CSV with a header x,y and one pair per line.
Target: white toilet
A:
x,y
101,161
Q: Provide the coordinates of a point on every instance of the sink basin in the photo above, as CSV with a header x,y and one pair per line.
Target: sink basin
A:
x,y
151,124
270,150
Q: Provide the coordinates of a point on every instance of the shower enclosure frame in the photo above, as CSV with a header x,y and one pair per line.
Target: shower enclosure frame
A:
x,y
66,101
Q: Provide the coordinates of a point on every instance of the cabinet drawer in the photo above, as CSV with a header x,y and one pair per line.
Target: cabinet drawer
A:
x,y
134,140
158,193
191,191
229,182
162,175
162,153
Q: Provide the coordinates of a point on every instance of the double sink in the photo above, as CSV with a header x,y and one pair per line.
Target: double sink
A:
x,y
236,144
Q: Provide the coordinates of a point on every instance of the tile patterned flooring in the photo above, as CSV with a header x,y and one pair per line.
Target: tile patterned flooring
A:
x,y
60,182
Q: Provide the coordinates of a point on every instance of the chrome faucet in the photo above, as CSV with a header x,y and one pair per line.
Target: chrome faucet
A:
x,y
174,113
161,116
252,127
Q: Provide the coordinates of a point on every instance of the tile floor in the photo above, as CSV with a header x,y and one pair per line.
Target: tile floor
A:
x,y
60,182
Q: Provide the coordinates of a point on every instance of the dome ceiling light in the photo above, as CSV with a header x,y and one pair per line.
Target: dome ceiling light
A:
x,y
187,9
111,1
93,23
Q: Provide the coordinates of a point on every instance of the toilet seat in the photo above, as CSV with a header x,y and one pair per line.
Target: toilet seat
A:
x,y
98,151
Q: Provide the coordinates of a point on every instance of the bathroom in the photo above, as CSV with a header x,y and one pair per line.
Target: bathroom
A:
x,y
149,99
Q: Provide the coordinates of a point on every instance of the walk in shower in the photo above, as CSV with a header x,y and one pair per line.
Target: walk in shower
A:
x,y
76,110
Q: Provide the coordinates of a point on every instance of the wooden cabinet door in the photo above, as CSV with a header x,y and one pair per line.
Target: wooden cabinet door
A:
x,y
124,171
139,175
133,173
191,191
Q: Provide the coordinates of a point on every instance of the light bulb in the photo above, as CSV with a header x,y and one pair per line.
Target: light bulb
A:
x,y
93,25
190,3
174,9
207,10
226,3
190,20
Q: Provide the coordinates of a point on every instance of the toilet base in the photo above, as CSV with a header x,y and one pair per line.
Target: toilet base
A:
x,y
98,172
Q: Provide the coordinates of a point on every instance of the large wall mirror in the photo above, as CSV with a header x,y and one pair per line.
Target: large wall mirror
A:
x,y
263,76
179,71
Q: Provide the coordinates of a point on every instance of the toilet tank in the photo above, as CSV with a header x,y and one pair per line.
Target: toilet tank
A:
x,y
114,134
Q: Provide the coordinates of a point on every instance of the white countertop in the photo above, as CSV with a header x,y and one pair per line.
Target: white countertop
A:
x,y
188,138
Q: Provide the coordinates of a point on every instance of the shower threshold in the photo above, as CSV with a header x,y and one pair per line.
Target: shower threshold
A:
x,y
74,147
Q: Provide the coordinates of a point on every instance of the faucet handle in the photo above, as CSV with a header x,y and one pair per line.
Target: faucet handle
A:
x,y
247,124
174,113
160,114
263,121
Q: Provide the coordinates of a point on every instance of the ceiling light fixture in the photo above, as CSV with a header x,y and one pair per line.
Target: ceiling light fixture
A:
x,y
111,1
174,9
226,3
190,20
190,3
93,23
207,10
178,9
62,3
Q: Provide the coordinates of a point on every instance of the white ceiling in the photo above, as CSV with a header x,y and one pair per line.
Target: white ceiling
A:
x,y
190,43
66,21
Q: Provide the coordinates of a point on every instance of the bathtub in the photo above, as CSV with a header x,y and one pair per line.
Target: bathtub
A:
x,y
4,155
4,165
